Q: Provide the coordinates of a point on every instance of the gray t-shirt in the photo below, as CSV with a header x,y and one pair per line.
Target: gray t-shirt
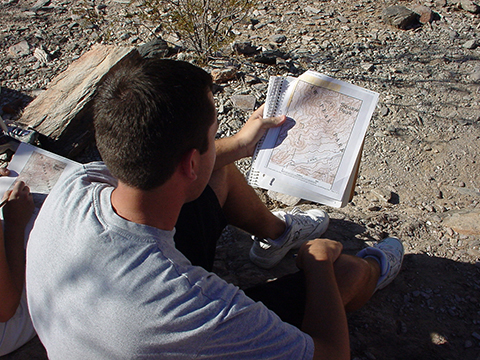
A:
x,y
101,287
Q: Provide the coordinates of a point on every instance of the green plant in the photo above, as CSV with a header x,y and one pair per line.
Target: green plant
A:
x,y
203,25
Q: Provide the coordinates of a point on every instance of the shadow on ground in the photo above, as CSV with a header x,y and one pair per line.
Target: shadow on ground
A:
x,y
431,311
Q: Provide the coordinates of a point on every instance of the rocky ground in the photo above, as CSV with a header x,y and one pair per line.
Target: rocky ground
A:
x,y
419,176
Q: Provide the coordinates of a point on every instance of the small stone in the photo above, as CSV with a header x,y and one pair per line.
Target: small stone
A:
x,y
39,4
244,102
42,55
470,44
475,74
312,10
244,47
266,57
154,48
400,17
251,79
278,38
426,15
223,75
383,194
468,344
368,67
20,49
470,6
384,111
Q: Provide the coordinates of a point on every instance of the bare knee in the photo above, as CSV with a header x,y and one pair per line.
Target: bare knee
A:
x,y
353,276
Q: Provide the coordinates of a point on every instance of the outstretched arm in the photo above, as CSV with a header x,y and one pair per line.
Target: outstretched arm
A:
x,y
243,143
17,213
325,319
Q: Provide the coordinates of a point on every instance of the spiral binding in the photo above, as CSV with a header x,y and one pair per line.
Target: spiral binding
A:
x,y
274,99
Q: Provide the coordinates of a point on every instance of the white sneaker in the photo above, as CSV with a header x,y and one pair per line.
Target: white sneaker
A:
x,y
389,254
301,226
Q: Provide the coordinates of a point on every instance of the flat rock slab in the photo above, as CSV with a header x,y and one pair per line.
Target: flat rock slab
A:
x,y
244,102
465,221
62,112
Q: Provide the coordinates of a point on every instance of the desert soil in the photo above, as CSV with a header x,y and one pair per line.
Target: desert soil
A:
x,y
419,176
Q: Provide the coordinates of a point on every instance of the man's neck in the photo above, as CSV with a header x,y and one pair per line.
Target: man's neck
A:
x,y
159,207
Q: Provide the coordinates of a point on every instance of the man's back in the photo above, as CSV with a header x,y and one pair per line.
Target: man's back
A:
x,y
103,287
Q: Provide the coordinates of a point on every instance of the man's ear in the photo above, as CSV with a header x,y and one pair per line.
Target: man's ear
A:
x,y
189,164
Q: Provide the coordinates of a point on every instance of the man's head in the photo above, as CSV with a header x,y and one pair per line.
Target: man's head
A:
x,y
149,113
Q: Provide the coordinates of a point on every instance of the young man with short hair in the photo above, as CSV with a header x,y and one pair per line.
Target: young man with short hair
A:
x,y
119,260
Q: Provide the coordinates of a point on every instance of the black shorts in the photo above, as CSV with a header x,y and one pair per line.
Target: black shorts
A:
x,y
198,228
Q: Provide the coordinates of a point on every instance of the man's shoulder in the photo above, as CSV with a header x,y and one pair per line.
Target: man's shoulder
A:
x,y
81,177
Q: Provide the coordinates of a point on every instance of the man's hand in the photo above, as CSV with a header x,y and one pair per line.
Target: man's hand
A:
x,y
254,128
318,250
325,319
243,143
19,207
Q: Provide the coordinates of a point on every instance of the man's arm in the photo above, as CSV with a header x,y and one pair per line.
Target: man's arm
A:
x,y
325,319
243,143
17,213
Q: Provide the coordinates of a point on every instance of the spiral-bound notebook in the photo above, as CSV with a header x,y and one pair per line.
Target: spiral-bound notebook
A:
x,y
315,154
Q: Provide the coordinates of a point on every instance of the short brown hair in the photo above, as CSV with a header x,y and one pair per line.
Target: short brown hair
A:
x,y
148,113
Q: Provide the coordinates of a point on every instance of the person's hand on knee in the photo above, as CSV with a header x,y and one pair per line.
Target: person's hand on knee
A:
x,y
318,250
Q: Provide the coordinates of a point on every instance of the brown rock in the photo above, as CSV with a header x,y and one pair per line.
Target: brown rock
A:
x,y
244,102
465,221
223,75
426,14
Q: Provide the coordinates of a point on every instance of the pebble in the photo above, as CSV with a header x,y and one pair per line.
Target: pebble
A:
x,y
20,49
244,102
223,75
399,16
470,6
470,44
278,38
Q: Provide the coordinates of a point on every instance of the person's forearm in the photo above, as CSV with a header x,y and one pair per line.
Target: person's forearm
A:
x,y
10,293
15,252
228,151
325,319
243,143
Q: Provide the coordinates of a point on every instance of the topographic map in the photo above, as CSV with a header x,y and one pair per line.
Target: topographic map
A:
x,y
40,173
319,125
